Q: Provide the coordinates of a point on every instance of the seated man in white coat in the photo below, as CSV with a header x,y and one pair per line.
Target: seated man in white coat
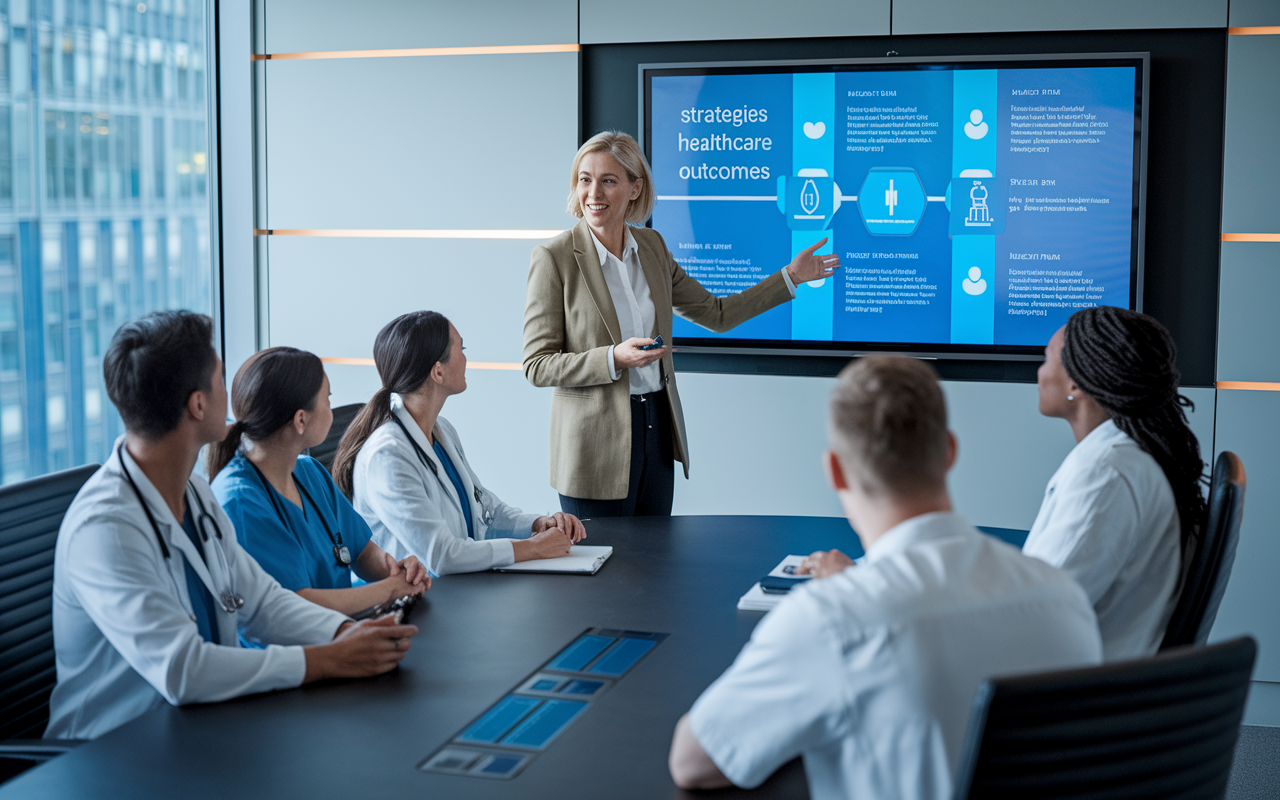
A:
x,y
868,671
150,588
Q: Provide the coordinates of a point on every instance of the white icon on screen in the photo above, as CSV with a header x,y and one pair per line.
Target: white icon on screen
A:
x,y
809,197
979,214
891,197
975,284
975,128
814,130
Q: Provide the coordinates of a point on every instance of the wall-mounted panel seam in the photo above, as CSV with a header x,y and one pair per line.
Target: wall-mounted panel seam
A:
x,y
368,362
1251,237
495,50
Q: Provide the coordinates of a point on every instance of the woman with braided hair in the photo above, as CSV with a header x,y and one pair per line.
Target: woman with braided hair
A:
x,y
1119,511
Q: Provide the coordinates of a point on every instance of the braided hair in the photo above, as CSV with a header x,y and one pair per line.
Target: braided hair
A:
x,y
1125,361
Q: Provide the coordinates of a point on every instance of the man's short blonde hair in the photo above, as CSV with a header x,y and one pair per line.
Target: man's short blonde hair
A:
x,y
887,423
625,149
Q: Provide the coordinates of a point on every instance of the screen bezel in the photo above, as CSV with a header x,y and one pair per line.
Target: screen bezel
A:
x,y
937,350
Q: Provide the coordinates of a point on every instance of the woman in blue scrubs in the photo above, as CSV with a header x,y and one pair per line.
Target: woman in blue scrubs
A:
x,y
287,511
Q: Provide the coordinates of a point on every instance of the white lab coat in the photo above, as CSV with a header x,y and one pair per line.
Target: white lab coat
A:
x,y
124,635
413,512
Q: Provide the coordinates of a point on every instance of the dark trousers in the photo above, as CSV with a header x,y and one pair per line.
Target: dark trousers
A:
x,y
653,476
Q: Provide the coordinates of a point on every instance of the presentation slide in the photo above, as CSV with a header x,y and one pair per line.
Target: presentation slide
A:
x,y
970,207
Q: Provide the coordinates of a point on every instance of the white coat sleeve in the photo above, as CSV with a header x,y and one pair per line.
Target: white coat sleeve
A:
x,y
390,495
125,587
507,519
1091,530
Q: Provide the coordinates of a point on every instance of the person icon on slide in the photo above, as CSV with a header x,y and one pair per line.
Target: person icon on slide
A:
x,y
975,284
975,128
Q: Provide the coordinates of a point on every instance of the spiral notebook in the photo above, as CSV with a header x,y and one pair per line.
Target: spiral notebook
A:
x,y
582,560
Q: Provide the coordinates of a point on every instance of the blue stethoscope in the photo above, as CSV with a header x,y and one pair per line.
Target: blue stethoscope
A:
x,y
486,514
229,600
341,553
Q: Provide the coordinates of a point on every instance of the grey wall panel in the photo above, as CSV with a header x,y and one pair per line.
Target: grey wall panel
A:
x,y
294,26
1248,325
608,21
1251,161
1249,426
1251,13
421,142
332,296
974,16
1264,705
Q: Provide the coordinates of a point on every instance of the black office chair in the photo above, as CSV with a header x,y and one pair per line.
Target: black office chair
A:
x,y
342,418
1211,558
30,513
1161,727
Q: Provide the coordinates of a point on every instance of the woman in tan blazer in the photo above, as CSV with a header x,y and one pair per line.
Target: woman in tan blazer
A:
x,y
598,295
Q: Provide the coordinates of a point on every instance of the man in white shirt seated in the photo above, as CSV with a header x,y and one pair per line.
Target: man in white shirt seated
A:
x,y
150,588
868,671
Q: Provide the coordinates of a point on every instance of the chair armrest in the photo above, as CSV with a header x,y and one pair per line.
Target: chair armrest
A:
x,y
37,749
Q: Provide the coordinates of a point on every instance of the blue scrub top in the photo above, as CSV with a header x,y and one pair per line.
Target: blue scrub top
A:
x,y
298,554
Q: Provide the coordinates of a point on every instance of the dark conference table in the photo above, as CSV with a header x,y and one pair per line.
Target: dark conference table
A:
x,y
481,634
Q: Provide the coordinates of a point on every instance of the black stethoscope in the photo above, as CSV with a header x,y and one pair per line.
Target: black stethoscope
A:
x,y
230,600
341,553
486,516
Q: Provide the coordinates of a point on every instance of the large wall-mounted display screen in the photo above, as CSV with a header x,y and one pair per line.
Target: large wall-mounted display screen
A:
x,y
975,204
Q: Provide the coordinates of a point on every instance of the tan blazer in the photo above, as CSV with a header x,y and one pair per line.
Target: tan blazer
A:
x,y
569,325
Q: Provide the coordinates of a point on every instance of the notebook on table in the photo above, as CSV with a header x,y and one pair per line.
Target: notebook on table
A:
x,y
582,560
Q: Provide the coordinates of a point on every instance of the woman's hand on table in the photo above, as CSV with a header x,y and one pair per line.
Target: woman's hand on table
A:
x,y
628,355
824,564
807,267
565,522
551,543
415,573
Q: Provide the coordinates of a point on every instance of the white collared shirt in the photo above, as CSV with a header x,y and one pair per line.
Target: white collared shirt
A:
x,y
1109,521
633,303
123,631
870,674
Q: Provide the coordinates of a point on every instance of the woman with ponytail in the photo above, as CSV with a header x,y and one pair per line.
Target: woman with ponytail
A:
x,y
287,512
1126,504
403,466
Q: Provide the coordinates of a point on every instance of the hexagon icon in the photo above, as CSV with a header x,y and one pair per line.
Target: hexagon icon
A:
x,y
891,201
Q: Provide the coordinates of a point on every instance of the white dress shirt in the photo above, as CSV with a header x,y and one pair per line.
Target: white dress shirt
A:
x,y
870,674
124,637
414,511
633,303
1109,520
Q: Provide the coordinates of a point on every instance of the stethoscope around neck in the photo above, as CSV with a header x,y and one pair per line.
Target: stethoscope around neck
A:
x,y
229,600
341,553
486,513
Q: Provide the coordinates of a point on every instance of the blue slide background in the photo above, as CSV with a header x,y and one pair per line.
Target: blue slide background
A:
x,y
902,288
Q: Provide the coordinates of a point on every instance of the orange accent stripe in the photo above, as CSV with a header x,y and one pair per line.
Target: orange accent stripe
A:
x,y
1251,237
365,233
368,362
421,51
1265,30
1253,386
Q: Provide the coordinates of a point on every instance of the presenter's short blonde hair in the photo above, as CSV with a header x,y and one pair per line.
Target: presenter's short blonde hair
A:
x,y
625,149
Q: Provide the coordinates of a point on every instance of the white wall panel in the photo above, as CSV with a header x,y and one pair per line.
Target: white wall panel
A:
x,y
332,296
294,26
421,142
605,21
1248,326
1251,160
1249,426
1254,13
974,16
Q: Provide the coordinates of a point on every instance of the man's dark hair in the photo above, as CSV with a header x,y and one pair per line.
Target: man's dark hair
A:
x,y
153,365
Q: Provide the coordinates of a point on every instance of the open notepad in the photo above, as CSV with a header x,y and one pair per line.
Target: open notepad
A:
x,y
582,560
